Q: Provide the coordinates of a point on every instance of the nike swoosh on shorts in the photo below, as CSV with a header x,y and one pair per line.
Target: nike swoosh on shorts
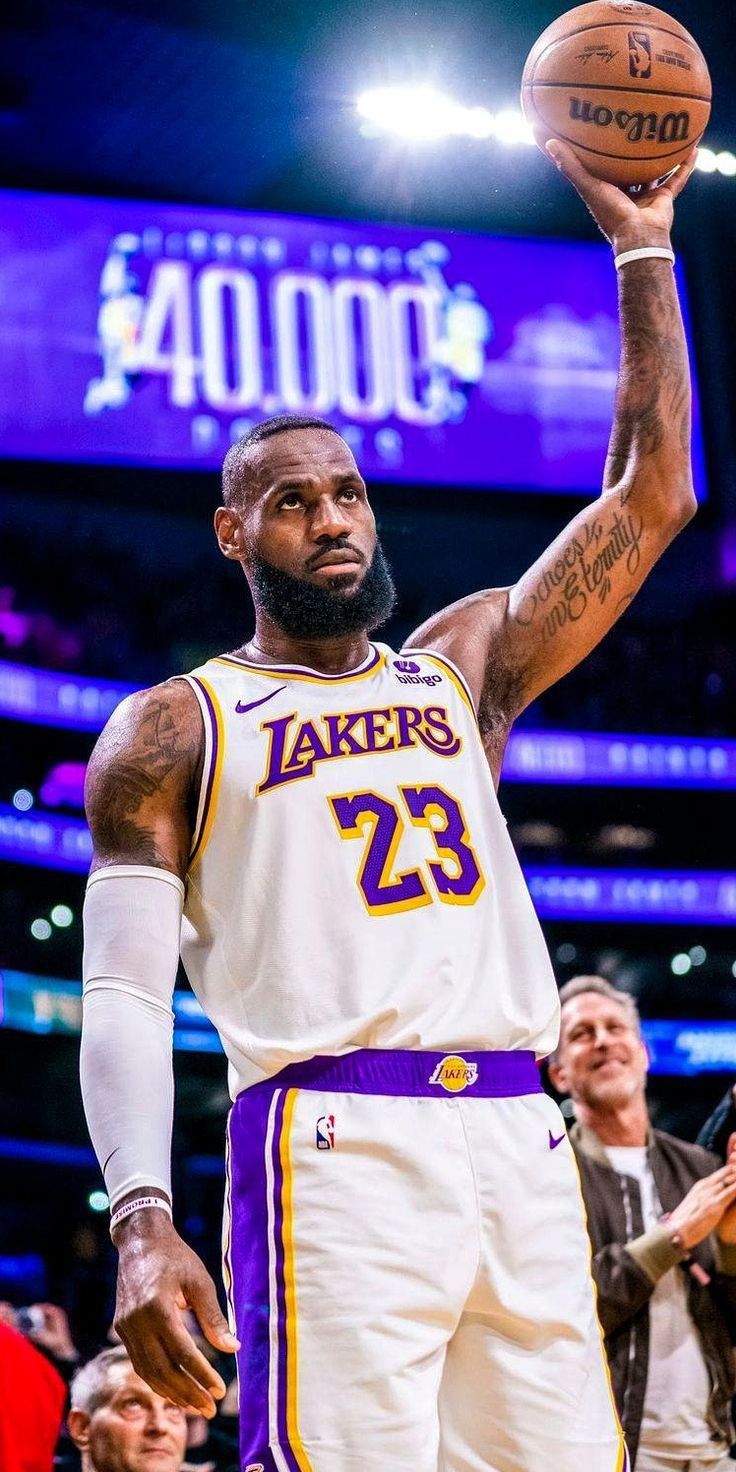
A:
x,y
240,709
553,1143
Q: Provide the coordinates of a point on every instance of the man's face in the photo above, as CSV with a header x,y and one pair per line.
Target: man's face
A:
x,y
135,1430
307,512
601,1060
306,538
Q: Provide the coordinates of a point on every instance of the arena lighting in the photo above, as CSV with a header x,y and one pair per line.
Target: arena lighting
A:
x,y
566,953
420,114
98,1201
680,964
698,955
62,916
40,929
22,800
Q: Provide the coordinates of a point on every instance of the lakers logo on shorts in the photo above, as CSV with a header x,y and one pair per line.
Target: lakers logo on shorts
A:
x,y
453,1074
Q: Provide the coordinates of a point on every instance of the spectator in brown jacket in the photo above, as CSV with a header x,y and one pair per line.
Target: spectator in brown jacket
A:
x,y
662,1224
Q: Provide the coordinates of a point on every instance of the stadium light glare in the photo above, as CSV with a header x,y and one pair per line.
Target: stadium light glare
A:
x,y
705,160
680,964
726,163
62,916
40,929
98,1200
511,127
23,800
424,115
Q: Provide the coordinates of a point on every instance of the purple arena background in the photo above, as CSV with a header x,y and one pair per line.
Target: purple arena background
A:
x,y
154,334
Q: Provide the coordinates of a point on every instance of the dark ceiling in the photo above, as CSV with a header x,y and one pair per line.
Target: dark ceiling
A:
x,y
252,105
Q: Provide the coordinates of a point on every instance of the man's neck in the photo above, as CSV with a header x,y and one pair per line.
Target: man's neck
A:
x,y
622,1124
335,656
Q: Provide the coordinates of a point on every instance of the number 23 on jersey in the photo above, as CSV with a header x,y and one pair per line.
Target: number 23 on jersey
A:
x,y
453,875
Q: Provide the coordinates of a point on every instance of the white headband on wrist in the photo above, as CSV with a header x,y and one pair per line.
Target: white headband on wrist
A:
x,y
645,253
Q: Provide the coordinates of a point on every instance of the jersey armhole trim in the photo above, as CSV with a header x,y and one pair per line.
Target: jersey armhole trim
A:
x,y
450,669
214,744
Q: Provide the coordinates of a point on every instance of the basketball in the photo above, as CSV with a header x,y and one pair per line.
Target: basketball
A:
x,y
626,85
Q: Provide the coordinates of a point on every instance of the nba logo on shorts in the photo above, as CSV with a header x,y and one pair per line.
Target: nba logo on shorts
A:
x,y
326,1132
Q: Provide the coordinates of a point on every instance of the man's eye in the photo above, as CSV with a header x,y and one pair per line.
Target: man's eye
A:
x,y
287,503
349,492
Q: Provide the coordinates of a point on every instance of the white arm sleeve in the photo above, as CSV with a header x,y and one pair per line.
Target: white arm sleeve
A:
x,y
132,924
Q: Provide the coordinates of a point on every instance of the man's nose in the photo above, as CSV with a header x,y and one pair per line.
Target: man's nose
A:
x,y
156,1421
330,519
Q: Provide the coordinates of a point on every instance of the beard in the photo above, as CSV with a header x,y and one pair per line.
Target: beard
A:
x,y
304,610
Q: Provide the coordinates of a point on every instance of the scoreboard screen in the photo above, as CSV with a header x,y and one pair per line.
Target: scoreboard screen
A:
x,y
156,334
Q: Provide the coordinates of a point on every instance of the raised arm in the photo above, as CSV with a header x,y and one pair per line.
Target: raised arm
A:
x,y
512,643
141,787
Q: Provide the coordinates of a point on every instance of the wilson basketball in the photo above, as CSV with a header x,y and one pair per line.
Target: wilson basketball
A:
x,y
625,84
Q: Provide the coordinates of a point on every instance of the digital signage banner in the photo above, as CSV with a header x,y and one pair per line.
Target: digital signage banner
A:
x,y
156,334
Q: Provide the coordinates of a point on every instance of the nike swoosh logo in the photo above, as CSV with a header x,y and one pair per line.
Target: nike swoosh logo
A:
x,y
241,709
553,1143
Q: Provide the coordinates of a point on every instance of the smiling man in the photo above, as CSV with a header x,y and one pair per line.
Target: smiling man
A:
x,y
662,1223
119,1424
312,817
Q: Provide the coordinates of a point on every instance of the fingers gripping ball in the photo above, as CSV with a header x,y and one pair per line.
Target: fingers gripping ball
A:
x,y
625,84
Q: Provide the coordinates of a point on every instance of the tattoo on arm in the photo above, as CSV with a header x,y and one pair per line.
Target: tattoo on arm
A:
x,y
653,393
133,782
582,572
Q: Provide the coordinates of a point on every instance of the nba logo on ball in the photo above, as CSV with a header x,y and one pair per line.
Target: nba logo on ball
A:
x,y
326,1132
640,54
454,1074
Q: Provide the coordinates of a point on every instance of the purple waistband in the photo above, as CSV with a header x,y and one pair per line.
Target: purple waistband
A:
x,y
406,1073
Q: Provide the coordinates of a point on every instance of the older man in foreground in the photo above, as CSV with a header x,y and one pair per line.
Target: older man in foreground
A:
x,y
119,1424
662,1223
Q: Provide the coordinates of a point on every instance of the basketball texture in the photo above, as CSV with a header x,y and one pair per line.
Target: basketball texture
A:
x,y
623,83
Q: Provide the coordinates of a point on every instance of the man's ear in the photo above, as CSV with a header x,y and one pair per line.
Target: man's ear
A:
x,y
78,1425
557,1077
229,533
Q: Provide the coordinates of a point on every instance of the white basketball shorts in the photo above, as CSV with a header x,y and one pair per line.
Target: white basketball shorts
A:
x,y
408,1271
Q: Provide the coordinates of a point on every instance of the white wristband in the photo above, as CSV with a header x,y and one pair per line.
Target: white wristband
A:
x,y
138,1204
645,253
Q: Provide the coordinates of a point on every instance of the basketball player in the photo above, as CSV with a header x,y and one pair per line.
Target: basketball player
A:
x,y
314,818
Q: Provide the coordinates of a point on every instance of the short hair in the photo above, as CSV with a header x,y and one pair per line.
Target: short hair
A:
x,y
236,465
578,986
89,1385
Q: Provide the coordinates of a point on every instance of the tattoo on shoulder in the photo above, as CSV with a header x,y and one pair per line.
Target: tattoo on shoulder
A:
x,y
125,777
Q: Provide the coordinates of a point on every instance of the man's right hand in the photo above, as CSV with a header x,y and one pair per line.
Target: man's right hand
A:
x,y
701,1210
158,1278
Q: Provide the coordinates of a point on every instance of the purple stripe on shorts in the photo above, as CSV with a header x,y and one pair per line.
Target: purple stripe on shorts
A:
x,y
249,1267
406,1073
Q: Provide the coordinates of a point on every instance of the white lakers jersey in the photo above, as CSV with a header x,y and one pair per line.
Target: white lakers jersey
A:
x,y
352,882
